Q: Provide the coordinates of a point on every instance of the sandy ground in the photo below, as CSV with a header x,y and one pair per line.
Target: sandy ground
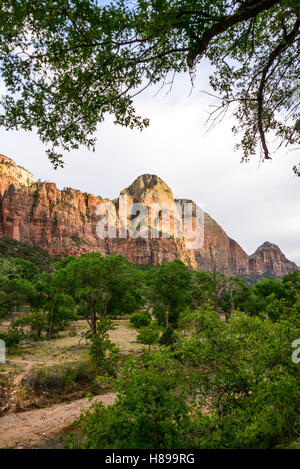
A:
x,y
72,348
39,428
36,428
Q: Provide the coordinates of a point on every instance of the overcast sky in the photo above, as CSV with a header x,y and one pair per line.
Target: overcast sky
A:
x,y
253,203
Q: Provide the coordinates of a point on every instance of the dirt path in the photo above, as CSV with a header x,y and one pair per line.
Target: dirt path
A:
x,y
18,378
32,428
17,381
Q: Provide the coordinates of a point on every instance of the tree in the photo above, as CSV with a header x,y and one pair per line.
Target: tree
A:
x,y
148,335
103,352
66,64
36,321
86,280
14,293
202,287
124,282
247,382
151,410
223,288
18,268
51,293
10,248
168,337
102,285
169,291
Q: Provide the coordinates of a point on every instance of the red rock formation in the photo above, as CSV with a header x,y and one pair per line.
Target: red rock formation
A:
x,y
218,250
64,223
10,173
268,258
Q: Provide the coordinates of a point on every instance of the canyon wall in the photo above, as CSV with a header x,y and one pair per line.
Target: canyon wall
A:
x,y
64,222
269,258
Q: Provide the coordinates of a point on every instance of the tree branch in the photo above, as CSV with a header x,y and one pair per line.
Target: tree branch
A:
x,y
260,93
244,13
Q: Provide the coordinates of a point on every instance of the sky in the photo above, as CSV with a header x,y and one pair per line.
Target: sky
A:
x,y
252,202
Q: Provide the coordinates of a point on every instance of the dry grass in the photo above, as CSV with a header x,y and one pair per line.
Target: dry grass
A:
x,y
67,348
62,351
125,337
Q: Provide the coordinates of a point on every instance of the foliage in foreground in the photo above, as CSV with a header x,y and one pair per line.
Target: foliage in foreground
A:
x,y
151,410
103,353
224,385
78,61
61,378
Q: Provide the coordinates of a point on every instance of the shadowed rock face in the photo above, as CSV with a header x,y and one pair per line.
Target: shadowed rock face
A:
x,y
64,223
268,258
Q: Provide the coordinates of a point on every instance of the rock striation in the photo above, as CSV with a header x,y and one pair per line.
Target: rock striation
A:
x,y
268,258
64,222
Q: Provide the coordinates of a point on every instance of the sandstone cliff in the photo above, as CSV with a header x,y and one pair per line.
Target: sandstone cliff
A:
x,y
218,250
268,258
64,222
10,173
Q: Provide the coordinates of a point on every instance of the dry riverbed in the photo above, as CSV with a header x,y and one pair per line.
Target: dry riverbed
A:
x,y
49,416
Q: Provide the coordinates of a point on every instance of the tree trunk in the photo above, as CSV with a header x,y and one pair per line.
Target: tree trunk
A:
x,y
51,320
93,319
167,316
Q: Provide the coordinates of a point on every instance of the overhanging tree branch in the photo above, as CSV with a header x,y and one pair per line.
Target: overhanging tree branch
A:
x,y
289,39
244,13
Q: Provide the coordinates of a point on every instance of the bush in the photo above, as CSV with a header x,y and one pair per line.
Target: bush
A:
x,y
11,339
148,335
141,319
60,378
168,336
151,409
103,352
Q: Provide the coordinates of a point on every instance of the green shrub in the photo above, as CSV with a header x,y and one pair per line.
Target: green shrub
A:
x,y
168,337
60,378
11,339
148,335
103,352
151,409
141,319
36,321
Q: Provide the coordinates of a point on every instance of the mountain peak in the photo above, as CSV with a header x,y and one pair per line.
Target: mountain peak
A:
x,y
149,188
65,223
268,258
268,245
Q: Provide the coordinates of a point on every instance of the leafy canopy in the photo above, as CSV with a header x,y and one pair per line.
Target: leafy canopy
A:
x,y
69,63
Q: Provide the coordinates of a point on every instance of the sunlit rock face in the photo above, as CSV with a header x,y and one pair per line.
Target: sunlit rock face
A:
x,y
64,222
148,189
10,173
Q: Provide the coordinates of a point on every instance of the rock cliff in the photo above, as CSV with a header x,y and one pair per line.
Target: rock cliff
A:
x,y
10,173
268,258
64,222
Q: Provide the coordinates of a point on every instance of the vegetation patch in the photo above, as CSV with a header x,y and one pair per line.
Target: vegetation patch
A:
x,y
63,378
12,248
